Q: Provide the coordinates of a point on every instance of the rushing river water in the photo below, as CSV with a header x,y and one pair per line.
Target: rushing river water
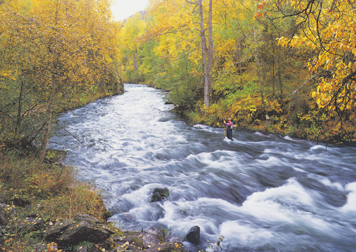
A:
x,y
259,192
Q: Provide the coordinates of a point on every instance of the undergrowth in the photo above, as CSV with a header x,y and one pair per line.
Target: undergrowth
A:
x,y
50,191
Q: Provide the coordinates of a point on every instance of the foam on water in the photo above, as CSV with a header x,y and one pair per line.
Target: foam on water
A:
x,y
261,192
350,206
326,181
249,235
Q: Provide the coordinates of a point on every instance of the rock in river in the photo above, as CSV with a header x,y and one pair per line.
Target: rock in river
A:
x,y
193,235
159,194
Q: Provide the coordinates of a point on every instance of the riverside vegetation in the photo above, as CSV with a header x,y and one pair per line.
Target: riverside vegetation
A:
x,y
280,66
286,67
48,191
55,56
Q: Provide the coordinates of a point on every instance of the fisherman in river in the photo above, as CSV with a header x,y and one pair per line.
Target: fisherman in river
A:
x,y
229,126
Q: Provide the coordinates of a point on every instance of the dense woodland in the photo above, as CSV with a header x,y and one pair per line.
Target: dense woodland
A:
x,y
280,66
285,67
55,55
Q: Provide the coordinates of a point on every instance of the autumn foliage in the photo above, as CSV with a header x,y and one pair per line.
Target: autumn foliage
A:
x,y
54,55
279,66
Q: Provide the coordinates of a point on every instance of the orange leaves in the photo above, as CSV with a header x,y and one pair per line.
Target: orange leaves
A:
x,y
262,9
260,14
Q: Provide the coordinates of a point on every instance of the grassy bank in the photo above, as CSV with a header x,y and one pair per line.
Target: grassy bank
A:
x,y
49,191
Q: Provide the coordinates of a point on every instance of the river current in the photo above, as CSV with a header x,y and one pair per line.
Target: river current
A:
x,y
259,192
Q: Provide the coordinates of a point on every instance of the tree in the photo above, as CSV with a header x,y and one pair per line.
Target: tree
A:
x,y
60,50
204,53
329,32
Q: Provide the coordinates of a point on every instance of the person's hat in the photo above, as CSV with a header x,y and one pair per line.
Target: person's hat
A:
x,y
229,119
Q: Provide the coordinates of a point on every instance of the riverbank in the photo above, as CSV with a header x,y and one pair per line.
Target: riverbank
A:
x,y
44,208
37,198
298,118
258,120
50,190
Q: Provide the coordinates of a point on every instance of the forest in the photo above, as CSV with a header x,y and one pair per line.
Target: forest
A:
x,y
55,55
284,67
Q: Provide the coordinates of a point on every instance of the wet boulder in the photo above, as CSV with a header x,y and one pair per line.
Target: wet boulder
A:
x,y
126,248
84,228
193,235
160,194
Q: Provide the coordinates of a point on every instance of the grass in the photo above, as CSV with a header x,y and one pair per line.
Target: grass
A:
x,y
49,190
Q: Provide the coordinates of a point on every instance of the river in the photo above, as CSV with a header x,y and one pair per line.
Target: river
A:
x,y
259,192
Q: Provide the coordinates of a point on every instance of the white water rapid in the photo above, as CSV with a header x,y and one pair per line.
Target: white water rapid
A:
x,y
260,192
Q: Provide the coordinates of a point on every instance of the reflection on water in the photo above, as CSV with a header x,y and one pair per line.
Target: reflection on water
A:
x,y
261,192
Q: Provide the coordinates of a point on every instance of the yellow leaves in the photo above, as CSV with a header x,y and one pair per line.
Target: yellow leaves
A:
x,y
8,75
274,106
336,29
79,33
8,240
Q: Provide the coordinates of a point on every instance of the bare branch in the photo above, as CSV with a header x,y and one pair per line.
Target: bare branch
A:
x,y
315,75
73,136
28,110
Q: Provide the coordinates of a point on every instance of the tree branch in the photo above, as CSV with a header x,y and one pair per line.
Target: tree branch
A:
x,y
306,83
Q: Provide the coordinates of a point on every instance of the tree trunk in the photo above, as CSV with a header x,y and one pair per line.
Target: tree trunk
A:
x,y
279,71
19,109
258,68
136,60
240,60
120,87
273,72
50,106
210,53
203,48
280,79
